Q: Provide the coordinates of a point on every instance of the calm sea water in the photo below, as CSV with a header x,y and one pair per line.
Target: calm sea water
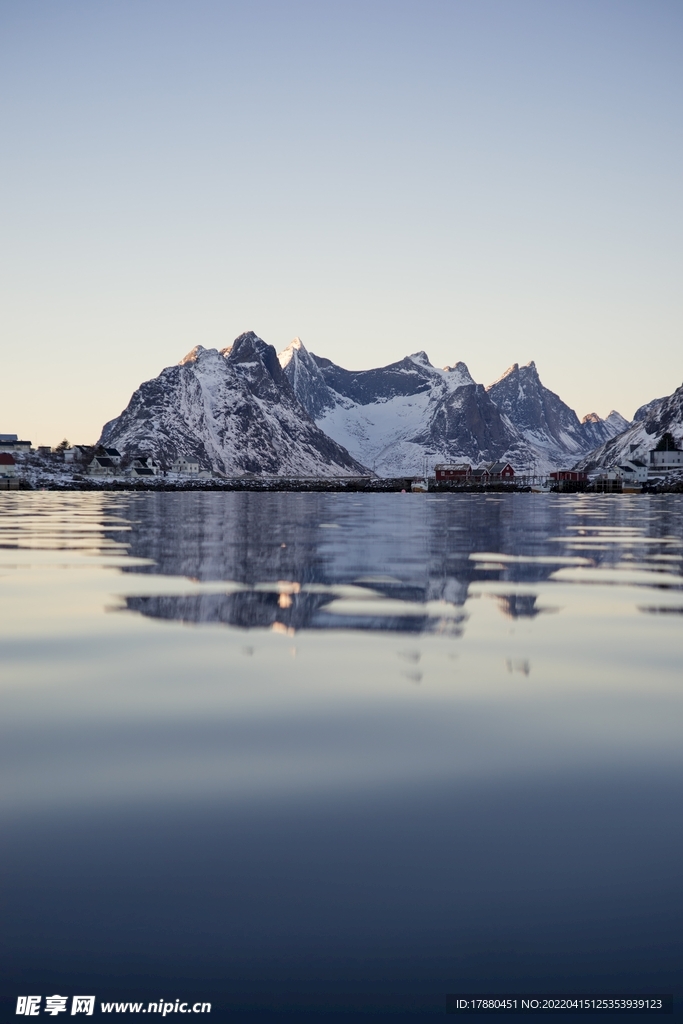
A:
x,y
299,753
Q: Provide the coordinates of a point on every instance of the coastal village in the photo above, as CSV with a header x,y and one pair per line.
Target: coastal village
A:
x,y
95,467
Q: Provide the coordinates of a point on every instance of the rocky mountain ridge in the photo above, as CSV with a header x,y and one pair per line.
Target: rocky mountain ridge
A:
x,y
396,417
547,423
245,409
233,411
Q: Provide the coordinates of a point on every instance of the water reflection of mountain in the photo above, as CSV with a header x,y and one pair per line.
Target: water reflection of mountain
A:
x,y
406,547
254,609
519,606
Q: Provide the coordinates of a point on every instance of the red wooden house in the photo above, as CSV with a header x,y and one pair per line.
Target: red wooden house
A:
x,y
501,471
453,471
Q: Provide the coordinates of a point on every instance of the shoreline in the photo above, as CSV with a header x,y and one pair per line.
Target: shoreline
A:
x,y
377,486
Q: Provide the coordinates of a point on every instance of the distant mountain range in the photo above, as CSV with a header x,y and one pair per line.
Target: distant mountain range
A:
x,y
395,417
246,410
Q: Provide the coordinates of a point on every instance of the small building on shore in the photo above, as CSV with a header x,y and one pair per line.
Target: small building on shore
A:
x,y
633,471
661,461
573,476
568,480
501,472
111,453
144,466
666,456
8,466
102,465
11,445
185,467
78,453
459,472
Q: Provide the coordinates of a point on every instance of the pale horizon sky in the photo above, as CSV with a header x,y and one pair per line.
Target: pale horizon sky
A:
x,y
492,181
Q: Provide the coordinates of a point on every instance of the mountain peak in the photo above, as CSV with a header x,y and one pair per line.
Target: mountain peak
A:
x,y
508,373
543,418
421,358
252,355
527,372
303,373
248,339
592,417
192,355
530,372
295,347
461,370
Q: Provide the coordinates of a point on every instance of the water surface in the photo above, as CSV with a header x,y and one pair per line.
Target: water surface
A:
x,y
302,753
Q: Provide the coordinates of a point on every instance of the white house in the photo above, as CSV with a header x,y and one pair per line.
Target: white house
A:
x,y
144,466
632,472
102,465
186,467
112,453
78,453
660,462
10,443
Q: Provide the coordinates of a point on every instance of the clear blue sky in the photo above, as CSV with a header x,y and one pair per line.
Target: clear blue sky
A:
x,y
489,180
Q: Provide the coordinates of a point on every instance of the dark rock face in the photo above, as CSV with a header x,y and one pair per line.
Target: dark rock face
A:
x,y
548,423
645,410
233,411
468,422
520,394
666,414
304,375
541,415
410,376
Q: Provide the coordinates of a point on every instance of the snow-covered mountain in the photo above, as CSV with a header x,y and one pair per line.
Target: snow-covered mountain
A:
x,y
597,430
244,409
650,422
396,416
547,423
234,411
